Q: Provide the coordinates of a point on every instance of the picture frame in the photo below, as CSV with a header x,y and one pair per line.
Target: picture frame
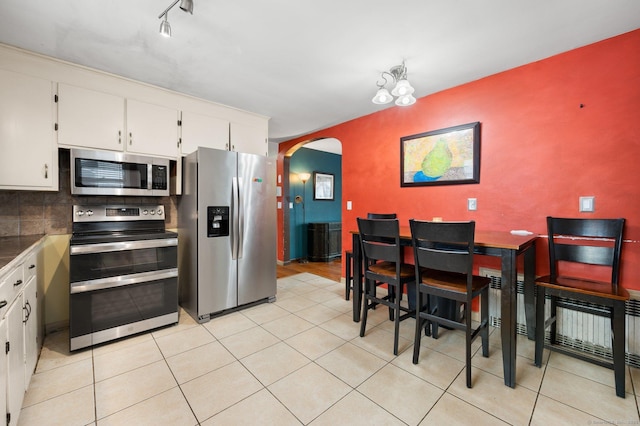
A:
x,y
449,156
323,186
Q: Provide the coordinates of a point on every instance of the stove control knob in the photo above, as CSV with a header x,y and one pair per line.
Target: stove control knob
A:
x,y
89,212
80,213
152,212
159,212
145,212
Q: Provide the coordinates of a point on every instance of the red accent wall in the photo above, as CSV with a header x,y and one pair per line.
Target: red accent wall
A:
x,y
540,149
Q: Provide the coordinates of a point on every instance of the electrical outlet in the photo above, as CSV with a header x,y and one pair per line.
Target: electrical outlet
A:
x,y
587,204
472,204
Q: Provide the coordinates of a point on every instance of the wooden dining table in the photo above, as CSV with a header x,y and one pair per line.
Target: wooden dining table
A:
x,y
507,247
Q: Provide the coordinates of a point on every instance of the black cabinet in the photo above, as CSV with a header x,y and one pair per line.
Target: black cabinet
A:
x,y
324,241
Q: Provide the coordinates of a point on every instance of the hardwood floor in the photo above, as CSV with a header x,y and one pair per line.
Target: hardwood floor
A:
x,y
331,270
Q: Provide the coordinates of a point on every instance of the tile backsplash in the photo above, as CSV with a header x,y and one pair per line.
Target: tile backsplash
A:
x,y
46,212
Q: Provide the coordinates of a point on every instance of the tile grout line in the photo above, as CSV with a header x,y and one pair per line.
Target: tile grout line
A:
x,y
174,376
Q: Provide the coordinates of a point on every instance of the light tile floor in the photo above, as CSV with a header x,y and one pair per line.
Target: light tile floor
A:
x,y
300,360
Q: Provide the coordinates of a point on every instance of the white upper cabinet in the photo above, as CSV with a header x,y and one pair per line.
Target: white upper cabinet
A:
x,y
203,130
29,157
249,138
96,110
92,119
151,129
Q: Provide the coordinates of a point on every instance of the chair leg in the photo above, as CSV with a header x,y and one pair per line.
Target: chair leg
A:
x,y
468,347
539,326
619,336
396,331
433,309
392,298
484,321
552,329
348,275
419,324
365,308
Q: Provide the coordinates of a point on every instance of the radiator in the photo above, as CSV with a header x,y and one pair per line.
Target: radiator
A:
x,y
577,330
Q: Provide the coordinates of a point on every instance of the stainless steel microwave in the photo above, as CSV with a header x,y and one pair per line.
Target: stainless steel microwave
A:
x,y
118,173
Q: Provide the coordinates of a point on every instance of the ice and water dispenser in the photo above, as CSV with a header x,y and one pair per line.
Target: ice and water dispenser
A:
x,y
218,221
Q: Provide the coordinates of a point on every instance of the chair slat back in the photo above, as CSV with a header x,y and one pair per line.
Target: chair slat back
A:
x,y
443,246
588,241
380,239
381,216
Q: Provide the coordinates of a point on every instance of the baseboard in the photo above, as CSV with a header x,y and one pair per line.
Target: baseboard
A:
x,y
56,326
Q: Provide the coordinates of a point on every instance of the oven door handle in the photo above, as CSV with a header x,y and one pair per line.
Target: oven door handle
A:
x,y
122,245
123,280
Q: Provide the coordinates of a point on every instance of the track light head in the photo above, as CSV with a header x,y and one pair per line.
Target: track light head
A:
x,y
165,28
187,6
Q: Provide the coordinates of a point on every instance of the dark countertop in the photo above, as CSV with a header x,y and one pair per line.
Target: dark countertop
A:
x,y
12,247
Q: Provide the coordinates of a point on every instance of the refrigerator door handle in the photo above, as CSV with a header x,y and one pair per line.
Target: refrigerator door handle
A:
x,y
240,219
235,205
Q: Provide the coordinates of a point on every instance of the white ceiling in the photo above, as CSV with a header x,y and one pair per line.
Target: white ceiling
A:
x,y
331,145
309,64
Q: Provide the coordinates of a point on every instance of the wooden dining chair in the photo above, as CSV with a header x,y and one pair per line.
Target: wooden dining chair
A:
x,y
348,256
382,262
585,242
443,256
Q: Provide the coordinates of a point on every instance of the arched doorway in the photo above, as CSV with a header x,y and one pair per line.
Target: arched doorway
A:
x,y
298,204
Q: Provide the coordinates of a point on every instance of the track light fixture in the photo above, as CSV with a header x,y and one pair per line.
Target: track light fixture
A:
x,y
402,89
165,27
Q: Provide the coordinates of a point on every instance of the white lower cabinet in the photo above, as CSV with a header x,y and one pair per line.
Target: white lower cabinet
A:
x,y
3,365
18,333
15,362
30,321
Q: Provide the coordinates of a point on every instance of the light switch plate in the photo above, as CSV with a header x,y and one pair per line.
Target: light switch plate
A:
x,y
349,205
587,204
472,204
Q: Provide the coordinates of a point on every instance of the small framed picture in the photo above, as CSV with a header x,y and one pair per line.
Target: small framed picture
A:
x,y
322,186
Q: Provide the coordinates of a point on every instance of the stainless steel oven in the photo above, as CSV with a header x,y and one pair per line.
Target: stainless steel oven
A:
x,y
123,273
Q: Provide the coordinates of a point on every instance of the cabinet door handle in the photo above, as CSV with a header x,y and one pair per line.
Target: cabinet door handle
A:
x,y
130,138
27,307
120,137
3,304
17,283
32,266
46,171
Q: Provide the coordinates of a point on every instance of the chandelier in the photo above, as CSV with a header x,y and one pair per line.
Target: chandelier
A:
x,y
402,89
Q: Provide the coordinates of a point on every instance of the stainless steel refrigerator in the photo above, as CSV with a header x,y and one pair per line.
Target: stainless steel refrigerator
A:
x,y
227,232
